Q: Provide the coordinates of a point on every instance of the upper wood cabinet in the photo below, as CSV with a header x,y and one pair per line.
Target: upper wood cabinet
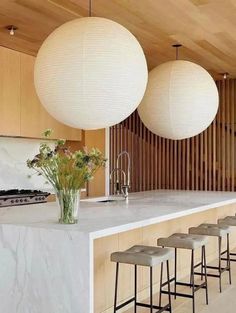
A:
x,y
20,109
9,92
34,118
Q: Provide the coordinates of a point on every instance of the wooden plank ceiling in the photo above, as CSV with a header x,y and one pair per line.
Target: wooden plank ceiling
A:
x,y
206,28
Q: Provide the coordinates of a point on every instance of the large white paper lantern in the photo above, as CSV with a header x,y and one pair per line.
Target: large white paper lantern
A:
x,y
90,73
181,100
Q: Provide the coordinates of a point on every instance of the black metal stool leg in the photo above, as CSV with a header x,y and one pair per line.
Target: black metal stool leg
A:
x,y
168,279
205,271
151,301
228,260
192,279
135,288
202,263
161,278
220,244
116,286
175,272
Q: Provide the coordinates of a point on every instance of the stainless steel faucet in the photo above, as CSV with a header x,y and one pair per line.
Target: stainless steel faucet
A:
x,y
122,188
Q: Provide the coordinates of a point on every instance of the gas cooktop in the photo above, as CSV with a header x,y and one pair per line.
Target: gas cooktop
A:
x,y
15,197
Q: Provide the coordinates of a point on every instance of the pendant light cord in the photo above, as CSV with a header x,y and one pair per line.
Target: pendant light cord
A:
x,y
177,53
177,46
90,8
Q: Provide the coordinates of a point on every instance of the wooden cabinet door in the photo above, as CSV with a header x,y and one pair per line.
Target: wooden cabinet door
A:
x,y
31,124
34,118
9,92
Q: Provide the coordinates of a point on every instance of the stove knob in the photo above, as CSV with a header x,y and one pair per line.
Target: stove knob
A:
x,y
26,200
17,201
12,201
21,200
36,199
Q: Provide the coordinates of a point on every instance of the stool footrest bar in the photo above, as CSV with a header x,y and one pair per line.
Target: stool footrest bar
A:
x,y
156,307
166,283
125,303
184,295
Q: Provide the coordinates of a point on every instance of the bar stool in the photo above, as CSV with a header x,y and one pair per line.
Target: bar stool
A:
x,y
189,242
142,256
219,231
229,221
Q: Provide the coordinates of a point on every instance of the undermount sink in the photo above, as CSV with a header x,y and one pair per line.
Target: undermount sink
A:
x,y
105,199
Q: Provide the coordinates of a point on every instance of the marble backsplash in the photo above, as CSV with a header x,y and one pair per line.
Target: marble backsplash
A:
x,y
14,172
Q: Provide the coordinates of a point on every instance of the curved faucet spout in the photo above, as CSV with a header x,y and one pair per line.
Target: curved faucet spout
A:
x,y
118,188
128,170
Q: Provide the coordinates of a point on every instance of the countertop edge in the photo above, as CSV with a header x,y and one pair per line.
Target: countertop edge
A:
x,y
156,220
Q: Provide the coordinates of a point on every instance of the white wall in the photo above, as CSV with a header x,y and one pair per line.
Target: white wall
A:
x,y
13,169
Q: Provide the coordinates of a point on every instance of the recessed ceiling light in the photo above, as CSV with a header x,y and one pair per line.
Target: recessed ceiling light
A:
x,y
11,29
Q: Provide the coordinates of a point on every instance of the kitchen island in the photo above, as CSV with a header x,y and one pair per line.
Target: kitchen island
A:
x,y
51,268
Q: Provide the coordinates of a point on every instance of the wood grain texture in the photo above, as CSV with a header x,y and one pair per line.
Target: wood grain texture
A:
x,y
96,139
9,92
206,28
104,269
203,162
21,112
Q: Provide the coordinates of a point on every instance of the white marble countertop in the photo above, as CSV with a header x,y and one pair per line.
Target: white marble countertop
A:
x,y
103,219
37,253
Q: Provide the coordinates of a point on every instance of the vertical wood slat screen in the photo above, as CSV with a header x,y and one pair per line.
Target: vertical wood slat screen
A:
x,y
203,162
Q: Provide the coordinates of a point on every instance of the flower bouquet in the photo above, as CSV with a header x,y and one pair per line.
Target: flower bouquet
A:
x,y
67,172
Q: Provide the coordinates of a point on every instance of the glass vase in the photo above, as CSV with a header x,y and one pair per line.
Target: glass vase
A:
x,y
68,201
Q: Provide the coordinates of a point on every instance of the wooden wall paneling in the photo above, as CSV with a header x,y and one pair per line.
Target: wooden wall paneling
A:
x,y
188,164
218,153
179,172
197,173
155,162
159,162
227,117
148,159
171,165
175,164
192,166
201,160
233,141
167,165
223,137
143,157
205,159
183,163
214,151
163,168
133,149
204,162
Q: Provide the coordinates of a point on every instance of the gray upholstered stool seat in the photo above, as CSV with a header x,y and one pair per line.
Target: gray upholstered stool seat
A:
x,y
140,255
229,220
183,241
143,255
190,242
210,230
216,230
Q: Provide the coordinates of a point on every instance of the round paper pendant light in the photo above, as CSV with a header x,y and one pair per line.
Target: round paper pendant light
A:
x,y
90,73
181,100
